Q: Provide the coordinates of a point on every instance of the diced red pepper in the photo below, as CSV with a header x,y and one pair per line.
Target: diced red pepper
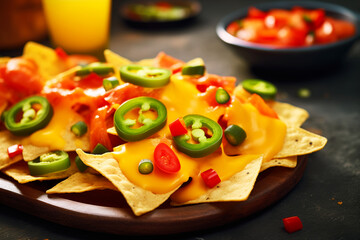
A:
x,y
177,127
211,178
61,53
15,150
292,224
165,159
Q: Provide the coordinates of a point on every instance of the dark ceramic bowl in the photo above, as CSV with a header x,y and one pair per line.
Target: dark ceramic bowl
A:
x,y
316,56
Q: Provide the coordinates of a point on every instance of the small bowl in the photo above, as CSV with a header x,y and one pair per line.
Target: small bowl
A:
x,y
316,56
193,7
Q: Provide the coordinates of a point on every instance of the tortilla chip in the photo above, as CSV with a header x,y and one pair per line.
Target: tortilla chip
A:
x,y
7,140
72,142
140,200
62,76
289,162
20,172
82,182
289,114
298,141
46,58
237,188
115,59
147,62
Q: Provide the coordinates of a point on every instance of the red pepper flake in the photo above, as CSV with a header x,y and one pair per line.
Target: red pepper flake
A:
x,y
15,150
292,224
211,178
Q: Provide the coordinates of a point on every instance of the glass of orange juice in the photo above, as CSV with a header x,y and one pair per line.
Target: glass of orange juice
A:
x,y
79,26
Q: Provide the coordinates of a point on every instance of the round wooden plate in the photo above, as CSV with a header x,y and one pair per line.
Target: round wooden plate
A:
x,y
106,211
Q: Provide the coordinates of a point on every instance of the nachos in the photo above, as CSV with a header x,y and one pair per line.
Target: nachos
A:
x,y
155,130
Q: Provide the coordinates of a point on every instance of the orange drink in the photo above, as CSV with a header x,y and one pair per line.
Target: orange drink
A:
x,y
79,26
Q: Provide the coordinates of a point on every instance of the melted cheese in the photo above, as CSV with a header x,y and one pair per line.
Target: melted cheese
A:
x,y
52,136
129,156
182,98
265,135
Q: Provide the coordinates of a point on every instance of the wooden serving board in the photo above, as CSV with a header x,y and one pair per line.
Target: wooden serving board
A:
x,y
106,211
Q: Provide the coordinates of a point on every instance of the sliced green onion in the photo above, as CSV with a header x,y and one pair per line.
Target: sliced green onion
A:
x,y
235,135
97,67
80,164
222,96
146,166
79,128
304,93
110,83
100,149
194,67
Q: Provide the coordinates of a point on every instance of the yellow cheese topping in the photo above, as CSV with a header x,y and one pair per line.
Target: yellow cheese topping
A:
x,y
53,135
182,98
265,135
129,156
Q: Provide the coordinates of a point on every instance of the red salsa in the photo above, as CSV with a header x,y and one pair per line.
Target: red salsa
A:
x,y
297,27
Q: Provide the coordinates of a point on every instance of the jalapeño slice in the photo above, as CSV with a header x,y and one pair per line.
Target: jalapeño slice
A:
x,y
125,127
263,88
204,145
145,76
51,162
36,112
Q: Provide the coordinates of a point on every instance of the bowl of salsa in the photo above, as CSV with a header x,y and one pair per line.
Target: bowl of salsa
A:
x,y
291,35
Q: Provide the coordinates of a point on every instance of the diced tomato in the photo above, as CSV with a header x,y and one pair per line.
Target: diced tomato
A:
x,y
342,29
202,83
261,105
165,159
125,92
326,33
292,37
267,34
233,27
280,16
165,61
22,75
98,128
317,17
254,12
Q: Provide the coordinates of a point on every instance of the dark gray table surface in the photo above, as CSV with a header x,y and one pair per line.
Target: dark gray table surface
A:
x,y
332,175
